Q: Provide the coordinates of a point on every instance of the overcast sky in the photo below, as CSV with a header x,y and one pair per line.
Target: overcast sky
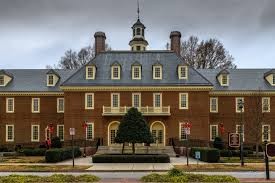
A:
x,y
36,33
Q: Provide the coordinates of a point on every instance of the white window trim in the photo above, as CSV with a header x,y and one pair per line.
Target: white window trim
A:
x,y
86,101
227,79
180,125
32,139
269,133
154,99
133,73
154,69
187,102
118,98
94,70
133,94
186,72
48,84
93,130
3,80
268,98
57,132
236,105
217,129
112,74
7,106
9,140
217,105
38,111
58,104
237,126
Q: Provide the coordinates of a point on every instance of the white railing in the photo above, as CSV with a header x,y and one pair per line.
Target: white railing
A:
x,y
146,111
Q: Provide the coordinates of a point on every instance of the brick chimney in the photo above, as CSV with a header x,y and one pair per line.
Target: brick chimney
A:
x,y
99,42
175,41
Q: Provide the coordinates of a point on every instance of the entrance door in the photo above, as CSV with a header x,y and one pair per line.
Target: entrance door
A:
x,y
157,130
112,132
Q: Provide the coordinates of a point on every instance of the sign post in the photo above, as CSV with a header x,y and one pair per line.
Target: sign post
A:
x,y
72,133
84,125
187,127
269,153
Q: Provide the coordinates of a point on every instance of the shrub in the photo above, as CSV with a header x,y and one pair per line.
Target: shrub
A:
x,y
56,143
61,154
175,172
4,149
129,158
33,152
218,143
225,153
210,155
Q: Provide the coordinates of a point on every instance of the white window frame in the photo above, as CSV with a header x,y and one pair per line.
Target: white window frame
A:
x,y
93,130
86,101
93,72
154,71
237,131
7,127
181,130
237,106
139,72
216,104
57,132
180,100
118,71
227,80
118,100
38,105
180,72
32,133
217,132
58,105
2,76
154,100
48,80
133,101
7,105
268,99
269,133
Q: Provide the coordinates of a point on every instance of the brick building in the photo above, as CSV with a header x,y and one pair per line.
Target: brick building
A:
x,y
167,91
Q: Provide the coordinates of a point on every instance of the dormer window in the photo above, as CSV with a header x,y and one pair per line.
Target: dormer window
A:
x,y
182,72
50,80
136,72
52,77
223,77
90,72
115,72
157,72
224,80
2,81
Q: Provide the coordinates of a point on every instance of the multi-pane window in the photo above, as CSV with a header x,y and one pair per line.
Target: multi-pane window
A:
x,y
2,80
115,100
35,105
50,80
265,133
60,105
157,72
183,101
224,80
89,101
136,100
182,135
239,104
115,72
240,130
10,105
157,100
90,72
90,131
9,133
60,132
265,104
136,72
35,133
213,104
182,72
213,132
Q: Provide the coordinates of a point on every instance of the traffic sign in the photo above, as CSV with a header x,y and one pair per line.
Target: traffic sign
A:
x,y
234,140
270,149
198,155
72,131
187,131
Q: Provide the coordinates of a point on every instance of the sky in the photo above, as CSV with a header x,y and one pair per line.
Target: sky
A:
x,y
36,33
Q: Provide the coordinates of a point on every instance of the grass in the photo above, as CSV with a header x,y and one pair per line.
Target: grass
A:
x,y
23,159
247,160
44,168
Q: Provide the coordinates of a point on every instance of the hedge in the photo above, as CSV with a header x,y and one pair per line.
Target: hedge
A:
x,y
210,155
129,158
235,153
34,152
61,154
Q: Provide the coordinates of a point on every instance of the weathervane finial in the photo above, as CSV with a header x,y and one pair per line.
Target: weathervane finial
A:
x,y
138,8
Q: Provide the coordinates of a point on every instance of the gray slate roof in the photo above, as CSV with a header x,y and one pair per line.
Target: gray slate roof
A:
x,y
239,79
33,80
169,61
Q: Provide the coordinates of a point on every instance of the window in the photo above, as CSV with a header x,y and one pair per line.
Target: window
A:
x,y
265,104
136,100
50,80
183,101
182,133
35,133
2,82
224,80
10,105
157,72
265,133
239,101
89,101
157,100
35,105
90,131
136,72
213,132
138,48
115,100
214,104
60,105
60,132
138,31
182,72
142,32
9,133
90,72
239,130
115,72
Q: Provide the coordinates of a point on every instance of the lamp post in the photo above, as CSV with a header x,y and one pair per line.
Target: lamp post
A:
x,y
84,125
241,108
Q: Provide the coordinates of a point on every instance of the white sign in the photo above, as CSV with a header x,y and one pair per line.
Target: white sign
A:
x,y
197,154
187,131
72,131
